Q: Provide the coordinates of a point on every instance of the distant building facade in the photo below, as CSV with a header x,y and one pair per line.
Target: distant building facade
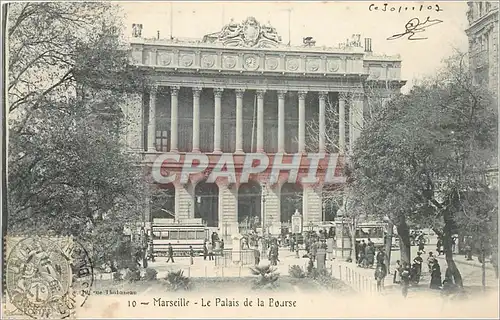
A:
x,y
241,92
483,42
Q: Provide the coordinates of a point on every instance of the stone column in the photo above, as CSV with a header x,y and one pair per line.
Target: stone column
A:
x,y
341,124
322,106
356,119
312,204
281,121
196,119
152,119
302,121
272,208
174,117
260,120
217,122
228,210
239,120
184,201
135,131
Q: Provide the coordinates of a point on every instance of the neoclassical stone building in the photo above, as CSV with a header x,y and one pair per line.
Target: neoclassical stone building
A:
x,y
241,91
483,42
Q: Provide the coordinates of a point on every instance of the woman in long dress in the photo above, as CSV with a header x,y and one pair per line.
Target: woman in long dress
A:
x,y
435,276
380,274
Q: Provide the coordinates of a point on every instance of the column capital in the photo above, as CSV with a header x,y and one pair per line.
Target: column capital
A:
x,y
174,90
322,95
197,91
302,94
357,96
281,94
153,89
239,92
218,92
344,96
260,93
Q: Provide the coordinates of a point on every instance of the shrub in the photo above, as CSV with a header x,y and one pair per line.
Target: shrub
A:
x,y
268,277
296,271
321,274
117,276
176,280
150,274
132,275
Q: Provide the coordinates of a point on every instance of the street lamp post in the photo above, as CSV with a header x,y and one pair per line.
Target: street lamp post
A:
x,y
264,234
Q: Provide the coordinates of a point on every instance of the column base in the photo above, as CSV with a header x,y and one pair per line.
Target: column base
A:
x,y
151,150
260,151
218,151
195,150
174,150
240,151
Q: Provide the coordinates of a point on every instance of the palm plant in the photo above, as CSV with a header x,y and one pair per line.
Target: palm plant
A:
x,y
176,280
267,277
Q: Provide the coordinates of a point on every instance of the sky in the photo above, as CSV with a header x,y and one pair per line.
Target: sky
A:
x,y
328,22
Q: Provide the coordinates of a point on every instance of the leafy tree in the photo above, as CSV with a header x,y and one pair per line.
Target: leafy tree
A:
x,y
425,156
341,196
69,172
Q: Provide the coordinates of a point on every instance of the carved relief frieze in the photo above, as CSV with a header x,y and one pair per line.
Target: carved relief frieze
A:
x,y
186,59
374,73
251,62
272,63
208,60
137,57
164,58
229,61
313,64
292,64
333,65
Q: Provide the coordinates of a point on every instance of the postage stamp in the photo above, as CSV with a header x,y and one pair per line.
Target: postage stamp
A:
x,y
286,159
45,276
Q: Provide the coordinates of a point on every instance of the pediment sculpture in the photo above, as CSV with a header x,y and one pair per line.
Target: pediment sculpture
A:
x,y
250,33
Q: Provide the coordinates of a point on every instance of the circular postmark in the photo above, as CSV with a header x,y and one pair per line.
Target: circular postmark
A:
x,y
44,276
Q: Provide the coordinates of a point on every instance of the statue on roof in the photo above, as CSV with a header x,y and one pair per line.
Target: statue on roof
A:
x,y
269,32
249,33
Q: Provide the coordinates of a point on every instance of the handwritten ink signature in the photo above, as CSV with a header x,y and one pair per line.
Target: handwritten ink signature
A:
x,y
415,26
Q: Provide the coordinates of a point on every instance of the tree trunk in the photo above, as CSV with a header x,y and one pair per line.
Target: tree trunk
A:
x,y
388,245
404,241
483,269
452,272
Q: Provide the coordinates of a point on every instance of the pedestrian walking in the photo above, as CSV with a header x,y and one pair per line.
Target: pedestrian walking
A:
x,y
256,255
430,261
405,278
397,272
211,252
435,276
380,274
170,253
205,250
191,255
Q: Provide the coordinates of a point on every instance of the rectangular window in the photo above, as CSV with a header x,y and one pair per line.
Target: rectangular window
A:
x,y
174,235
183,235
156,235
165,235
162,140
200,235
192,235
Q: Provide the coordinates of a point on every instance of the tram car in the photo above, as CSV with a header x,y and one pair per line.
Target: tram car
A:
x,y
180,234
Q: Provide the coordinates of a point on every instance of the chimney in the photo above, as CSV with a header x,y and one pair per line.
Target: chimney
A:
x,y
368,45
